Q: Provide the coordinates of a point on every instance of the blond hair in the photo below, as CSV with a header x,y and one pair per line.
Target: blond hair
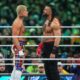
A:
x,y
20,8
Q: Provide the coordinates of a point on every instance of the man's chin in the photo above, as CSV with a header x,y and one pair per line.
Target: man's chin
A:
x,y
45,15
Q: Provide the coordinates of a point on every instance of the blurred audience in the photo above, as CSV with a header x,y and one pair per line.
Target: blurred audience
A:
x,y
68,11
61,69
2,63
41,68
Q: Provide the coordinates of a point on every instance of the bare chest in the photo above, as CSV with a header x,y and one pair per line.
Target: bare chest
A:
x,y
47,27
22,29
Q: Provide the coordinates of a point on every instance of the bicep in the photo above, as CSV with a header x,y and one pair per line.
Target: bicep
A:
x,y
56,24
57,32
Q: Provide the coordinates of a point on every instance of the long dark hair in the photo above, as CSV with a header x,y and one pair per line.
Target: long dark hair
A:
x,y
54,12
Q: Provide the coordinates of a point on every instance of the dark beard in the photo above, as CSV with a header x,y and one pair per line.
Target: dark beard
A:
x,y
45,16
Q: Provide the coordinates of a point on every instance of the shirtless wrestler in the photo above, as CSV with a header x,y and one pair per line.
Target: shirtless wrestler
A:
x,y
49,46
18,29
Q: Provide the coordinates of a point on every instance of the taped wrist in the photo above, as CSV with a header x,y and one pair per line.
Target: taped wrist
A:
x,y
40,45
55,50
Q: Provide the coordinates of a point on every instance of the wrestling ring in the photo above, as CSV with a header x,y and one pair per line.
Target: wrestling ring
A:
x,y
59,59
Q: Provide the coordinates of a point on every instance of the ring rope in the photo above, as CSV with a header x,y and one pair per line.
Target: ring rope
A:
x,y
37,45
36,74
61,59
41,26
63,64
39,36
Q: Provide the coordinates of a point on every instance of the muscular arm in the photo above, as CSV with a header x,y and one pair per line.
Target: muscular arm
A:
x,y
15,32
57,31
